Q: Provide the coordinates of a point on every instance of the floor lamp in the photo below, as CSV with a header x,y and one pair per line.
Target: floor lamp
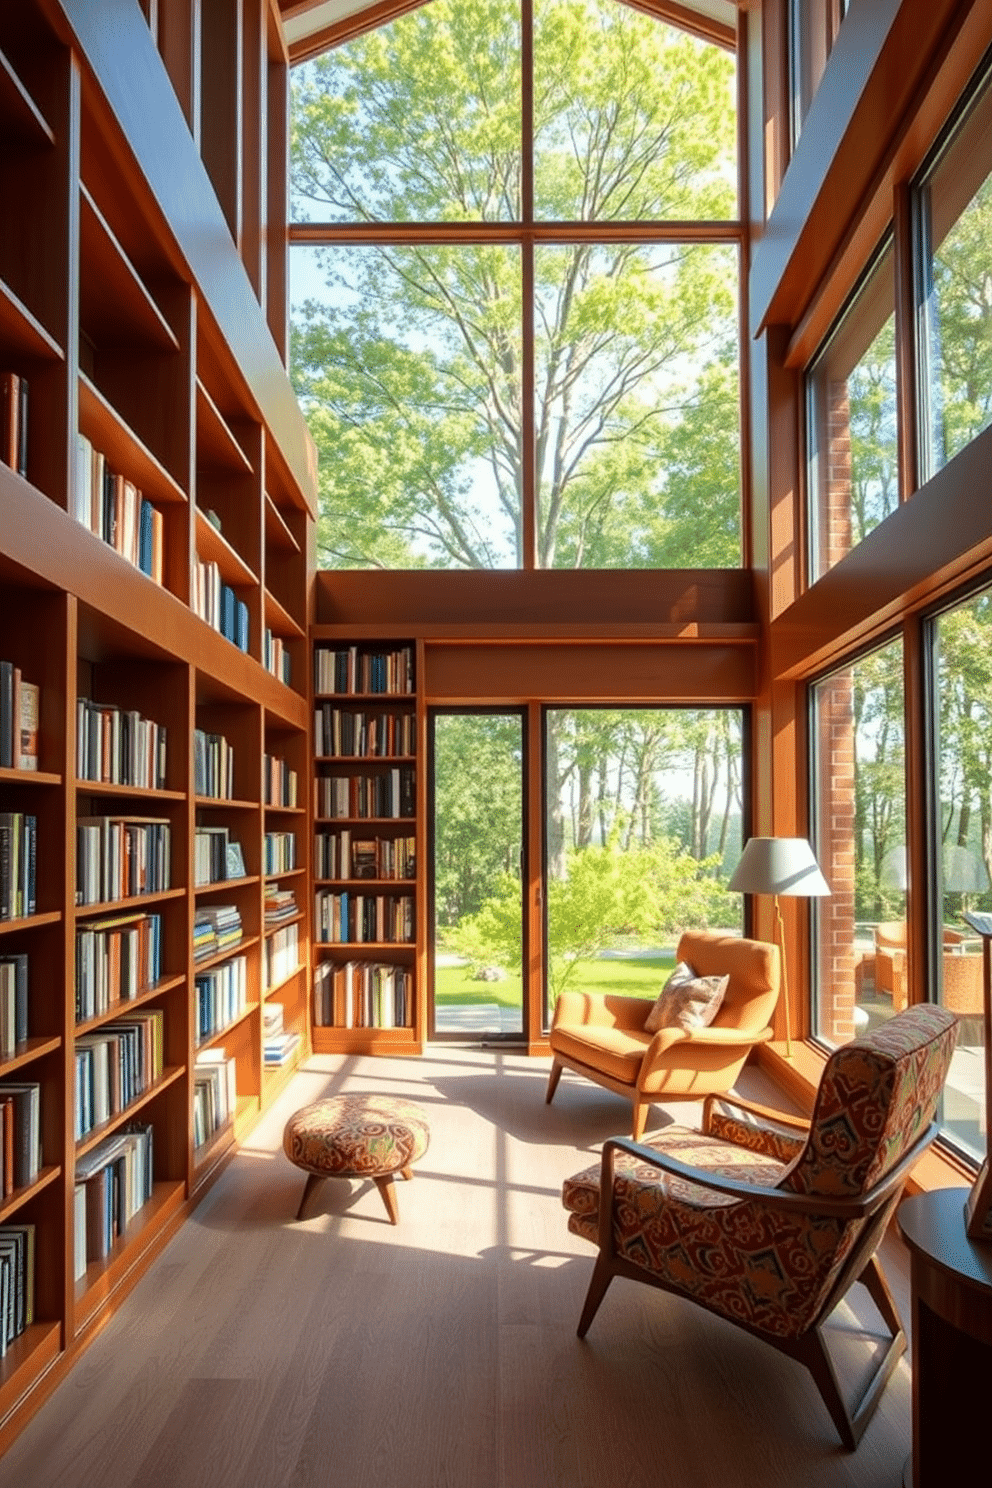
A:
x,y
779,866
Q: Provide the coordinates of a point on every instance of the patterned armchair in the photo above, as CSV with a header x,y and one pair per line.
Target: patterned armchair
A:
x,y
604,1038
769,1222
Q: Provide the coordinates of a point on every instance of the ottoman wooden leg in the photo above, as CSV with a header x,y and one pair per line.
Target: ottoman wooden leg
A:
x,y
384,1184
313,1181
407,1173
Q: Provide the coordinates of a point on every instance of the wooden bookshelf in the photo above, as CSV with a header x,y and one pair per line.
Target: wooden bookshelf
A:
x,y
125,307
373,695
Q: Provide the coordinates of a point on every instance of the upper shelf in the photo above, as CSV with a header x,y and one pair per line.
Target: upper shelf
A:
x,y
18,111
215,443
126,453
22,331
115,306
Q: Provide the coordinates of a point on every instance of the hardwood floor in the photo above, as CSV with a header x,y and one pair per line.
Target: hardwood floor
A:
x,y
440,1353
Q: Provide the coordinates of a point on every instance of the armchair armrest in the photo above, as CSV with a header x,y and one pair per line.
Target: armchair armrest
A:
x,y
778,1200
799,1124
714,1037
590,1009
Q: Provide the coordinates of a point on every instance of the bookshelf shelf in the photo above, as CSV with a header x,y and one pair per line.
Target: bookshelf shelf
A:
x,y
26,1053
21,1196
112,294
279,620
284,981
363,821
213,547
22,332
27,1359
277,530
99,789
18,111
31,922
286,873
379,885
220,1033
219,1141
103,1277
97,1134
122,1007
284,810
29,777
224,884
136,902
124,450
216,444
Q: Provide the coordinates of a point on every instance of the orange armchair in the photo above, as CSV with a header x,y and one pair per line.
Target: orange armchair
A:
x,y
603,1037
769,1227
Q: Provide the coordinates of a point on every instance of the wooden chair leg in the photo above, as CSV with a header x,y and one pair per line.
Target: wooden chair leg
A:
x,y
313,1182
873,1279
407,1173
601,1278
640,1118
812,1351
384,1183
553,1079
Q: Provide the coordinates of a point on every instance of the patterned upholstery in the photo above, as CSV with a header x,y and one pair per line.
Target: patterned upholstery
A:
x,y
777,1268
356,1136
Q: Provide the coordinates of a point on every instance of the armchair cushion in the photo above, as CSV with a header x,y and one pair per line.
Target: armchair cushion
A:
x,y
686,1000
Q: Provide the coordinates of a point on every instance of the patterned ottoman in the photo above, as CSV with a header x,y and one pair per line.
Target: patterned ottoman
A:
x,y
357,1136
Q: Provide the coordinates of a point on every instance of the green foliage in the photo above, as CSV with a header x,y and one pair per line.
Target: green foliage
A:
x,y
606,895
478,819
408,360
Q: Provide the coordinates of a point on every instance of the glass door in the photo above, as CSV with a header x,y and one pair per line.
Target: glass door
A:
x,y
477,845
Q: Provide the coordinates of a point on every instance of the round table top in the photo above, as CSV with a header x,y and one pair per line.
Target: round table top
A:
x,y
932,1225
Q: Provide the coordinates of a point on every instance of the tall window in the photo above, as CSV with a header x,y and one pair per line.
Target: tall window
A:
x,y
515,285
851,423
643,828
812,31
955,215
962,853
859,810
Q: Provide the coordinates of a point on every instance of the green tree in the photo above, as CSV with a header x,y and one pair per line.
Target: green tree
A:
x,y
478,811
409,359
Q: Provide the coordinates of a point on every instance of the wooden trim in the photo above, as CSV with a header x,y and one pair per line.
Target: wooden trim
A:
x,y
717,230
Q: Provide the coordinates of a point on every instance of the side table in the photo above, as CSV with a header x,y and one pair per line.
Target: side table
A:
x,y
951,1279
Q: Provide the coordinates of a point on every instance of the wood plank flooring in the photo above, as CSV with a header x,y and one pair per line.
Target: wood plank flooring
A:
x,y
343,1352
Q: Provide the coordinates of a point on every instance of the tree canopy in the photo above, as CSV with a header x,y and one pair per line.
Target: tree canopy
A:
x,y
410,358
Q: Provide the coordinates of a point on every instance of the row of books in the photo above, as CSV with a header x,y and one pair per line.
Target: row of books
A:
x,y
388,793
282,955
279,852
115,1065
280,904
117,746
20,1118
114,508
278,1043
20,711
216,928
16,1282
13,1002
221,996
280,784
275,656
115,960
14,421
215,1092
113,1181
342,855
362,994
120,857
337,731
217,604
213,765
18,865
342,917
216,857
356,670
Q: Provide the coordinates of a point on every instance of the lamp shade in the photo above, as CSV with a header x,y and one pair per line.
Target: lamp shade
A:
x,y
778,865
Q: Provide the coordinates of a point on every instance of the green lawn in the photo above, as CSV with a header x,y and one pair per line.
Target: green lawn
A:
x,y
454,986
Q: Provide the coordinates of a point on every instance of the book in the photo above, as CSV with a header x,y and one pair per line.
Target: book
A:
x,y
14,421
13,1002
26,722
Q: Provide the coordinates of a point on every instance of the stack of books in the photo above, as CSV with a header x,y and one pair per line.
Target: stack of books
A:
x,y
18,849
14,421
213,765
115,960
116,746
279,1045
217,928
275,656
13,1002
20,706
280,904
112,506
279,852
20,1122
119,857
215,857
16,1282
115,1065
221,996
280,782
282,955
215,1092
217,604
362,994
113,1180
356,670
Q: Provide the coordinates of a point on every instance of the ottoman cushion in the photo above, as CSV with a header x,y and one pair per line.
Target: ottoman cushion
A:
x,y
356,1136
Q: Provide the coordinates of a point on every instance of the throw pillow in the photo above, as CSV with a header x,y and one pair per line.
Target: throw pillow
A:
x,y
686,1000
